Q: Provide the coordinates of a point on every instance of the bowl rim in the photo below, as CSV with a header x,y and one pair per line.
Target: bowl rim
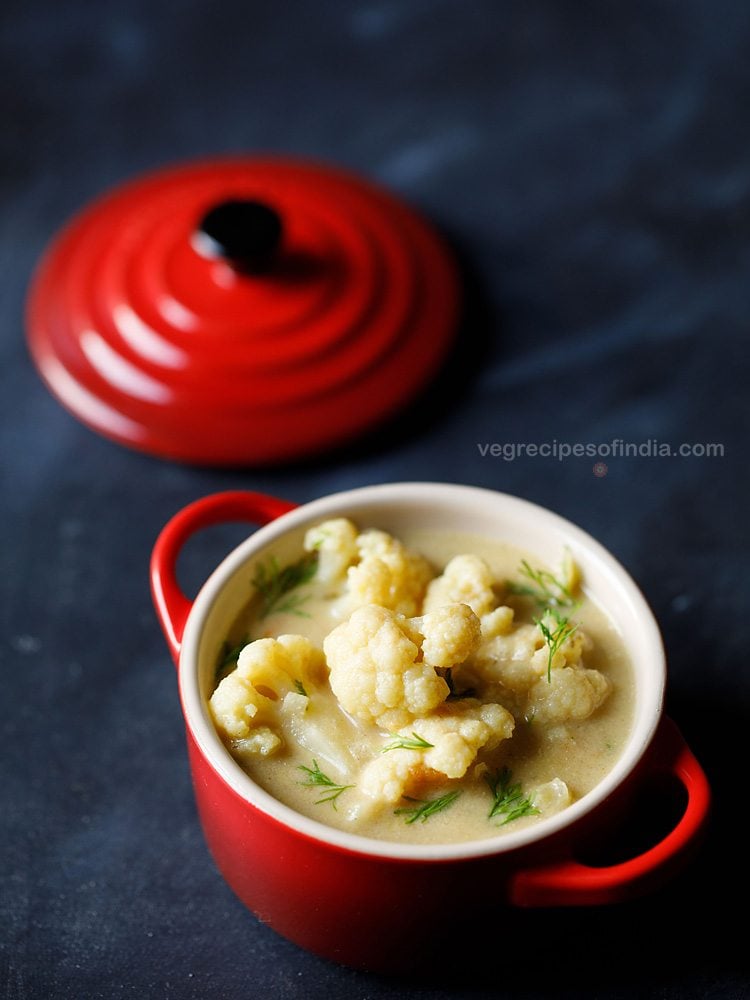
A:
x,y
208,741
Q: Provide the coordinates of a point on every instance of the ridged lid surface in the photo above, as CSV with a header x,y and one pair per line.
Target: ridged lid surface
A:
x,y
241,311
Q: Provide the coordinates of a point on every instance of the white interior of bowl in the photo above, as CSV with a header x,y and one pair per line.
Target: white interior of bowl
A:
x,y
433,506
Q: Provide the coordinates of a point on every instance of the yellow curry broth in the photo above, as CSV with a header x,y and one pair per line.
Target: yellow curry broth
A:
x,y
326,740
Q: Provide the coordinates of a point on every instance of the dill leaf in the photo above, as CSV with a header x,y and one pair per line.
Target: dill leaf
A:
x,y
228,658
554,637
422,810
413,742
508,800
545,588
274,583
316,778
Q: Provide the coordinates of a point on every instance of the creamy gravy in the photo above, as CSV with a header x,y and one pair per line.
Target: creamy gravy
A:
x,y
580,753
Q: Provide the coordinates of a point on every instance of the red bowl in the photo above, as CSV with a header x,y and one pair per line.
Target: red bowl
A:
x,y
344,896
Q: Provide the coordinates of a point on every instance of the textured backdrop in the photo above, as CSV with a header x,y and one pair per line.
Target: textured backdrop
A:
x,y
591,163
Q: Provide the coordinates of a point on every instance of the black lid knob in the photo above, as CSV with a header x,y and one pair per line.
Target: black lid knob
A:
x,y
246,234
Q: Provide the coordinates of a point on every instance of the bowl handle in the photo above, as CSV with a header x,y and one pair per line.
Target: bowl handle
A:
x,y
570,883
172,606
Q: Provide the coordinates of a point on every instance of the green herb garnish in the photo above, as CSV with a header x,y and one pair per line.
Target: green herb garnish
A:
x,y
508,800
413,742
547,590
316,778
554,637
274,583
228,658
423,810
300,687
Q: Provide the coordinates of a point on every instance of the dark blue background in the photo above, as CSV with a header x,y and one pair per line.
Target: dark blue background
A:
x,y
591,162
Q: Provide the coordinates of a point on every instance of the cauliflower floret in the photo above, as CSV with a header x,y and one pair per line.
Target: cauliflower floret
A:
x,y
571,694
244,703
466,580
388,574
385,778
551,797
236,707
451,634
456,735
497,622
335,541
380,670
515,660
370,567
295,704
279,663
519,658
459,733
261,740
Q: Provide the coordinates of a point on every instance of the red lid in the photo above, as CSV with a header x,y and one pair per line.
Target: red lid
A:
x,y
241,311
